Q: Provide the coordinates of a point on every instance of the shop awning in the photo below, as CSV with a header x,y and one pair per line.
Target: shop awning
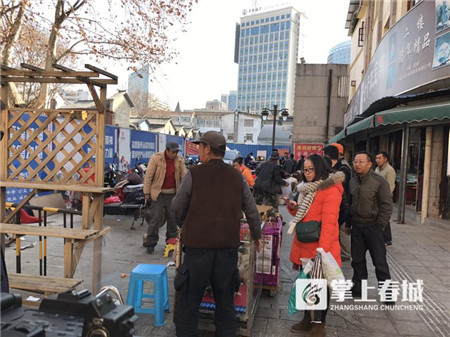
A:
x,y
337,137
410,114
366,123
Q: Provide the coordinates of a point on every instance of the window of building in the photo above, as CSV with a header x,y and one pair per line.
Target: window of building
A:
x,y
249,137
248,122
264,29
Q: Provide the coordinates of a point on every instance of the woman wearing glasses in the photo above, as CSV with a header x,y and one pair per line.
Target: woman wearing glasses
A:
x,y
320,195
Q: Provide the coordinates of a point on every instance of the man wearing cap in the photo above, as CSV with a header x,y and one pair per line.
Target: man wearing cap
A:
x,y
208,206
268,182
162,180
341,154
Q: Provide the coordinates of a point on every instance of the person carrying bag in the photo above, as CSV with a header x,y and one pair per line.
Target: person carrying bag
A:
x,y
315,224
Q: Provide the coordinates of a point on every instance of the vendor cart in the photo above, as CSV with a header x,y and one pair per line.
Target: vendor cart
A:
x,y
268,260
246,300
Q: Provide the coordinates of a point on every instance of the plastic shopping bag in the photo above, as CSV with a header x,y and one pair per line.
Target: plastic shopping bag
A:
x,y
331,269
292,300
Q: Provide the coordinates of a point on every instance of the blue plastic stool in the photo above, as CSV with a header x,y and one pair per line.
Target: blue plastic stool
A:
x,y
157,274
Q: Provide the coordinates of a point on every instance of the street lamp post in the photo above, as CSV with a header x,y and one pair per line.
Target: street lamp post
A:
x,y
275,111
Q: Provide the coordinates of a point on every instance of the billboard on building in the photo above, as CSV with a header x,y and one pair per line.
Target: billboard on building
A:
x,y
414,53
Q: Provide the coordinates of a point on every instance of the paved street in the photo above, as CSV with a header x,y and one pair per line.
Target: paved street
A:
x,y
418,252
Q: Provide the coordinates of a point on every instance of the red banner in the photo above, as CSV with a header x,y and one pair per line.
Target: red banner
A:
x,y
307,149
191,148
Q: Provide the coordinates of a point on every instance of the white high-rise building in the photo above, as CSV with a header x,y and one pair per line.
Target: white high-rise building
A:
x,y
267,57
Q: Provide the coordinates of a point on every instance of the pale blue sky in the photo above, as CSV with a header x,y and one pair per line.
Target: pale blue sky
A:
x,y
205,68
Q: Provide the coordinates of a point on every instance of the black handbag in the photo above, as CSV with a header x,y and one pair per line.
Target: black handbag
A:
x,y
308,231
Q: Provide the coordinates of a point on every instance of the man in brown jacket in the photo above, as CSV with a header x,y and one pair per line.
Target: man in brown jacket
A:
x,y
162,179
209,206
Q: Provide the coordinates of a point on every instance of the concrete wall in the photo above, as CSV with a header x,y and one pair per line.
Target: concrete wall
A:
x,y
310,108
437,147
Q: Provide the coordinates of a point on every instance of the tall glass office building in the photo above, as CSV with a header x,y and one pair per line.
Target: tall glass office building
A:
x,y
268,51
340,54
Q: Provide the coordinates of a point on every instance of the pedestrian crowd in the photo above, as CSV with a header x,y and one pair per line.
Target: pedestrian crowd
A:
x,y
349,208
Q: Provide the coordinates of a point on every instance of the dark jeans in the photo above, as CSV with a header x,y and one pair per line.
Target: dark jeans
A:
x,y
387,233
160,211
368,238
206,266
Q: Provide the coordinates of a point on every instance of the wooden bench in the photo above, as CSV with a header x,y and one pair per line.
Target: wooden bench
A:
x,y
54,186
47,285
72,237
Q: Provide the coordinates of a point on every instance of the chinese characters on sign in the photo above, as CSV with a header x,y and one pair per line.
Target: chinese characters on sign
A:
x,y
306,150
311,294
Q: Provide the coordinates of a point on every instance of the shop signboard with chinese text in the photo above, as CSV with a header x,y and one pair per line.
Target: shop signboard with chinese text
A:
x,y
306,150
414,53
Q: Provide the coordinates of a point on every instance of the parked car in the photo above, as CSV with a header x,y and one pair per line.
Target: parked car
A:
x,y
231,155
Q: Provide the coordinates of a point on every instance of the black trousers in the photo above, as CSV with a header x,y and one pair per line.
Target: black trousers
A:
x,y
387,233
203,267
368,238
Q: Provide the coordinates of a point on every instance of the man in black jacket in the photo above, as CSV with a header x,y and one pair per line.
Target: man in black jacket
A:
x,y
268,182
371,209
332,153
209,206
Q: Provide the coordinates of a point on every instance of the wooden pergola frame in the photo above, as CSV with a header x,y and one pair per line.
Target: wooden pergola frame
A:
x,y
56,133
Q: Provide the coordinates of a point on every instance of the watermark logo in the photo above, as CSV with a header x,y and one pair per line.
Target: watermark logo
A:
x,y
311,294
393,295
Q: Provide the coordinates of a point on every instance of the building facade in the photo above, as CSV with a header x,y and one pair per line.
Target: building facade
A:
x,y
399,98
230,100
216,105
321,95
340,54
268,51
139,82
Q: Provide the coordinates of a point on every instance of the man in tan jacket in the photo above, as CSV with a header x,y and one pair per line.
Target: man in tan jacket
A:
x,y
385,170
162,179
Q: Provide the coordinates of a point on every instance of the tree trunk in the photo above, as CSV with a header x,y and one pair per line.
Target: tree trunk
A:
x,y
14,98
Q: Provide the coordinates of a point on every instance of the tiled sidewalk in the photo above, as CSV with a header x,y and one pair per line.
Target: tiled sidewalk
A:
x,y
418,252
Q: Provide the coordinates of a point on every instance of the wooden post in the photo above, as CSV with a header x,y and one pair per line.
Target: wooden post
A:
x,y
403,175
426,174
68,258
3,154
98,198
